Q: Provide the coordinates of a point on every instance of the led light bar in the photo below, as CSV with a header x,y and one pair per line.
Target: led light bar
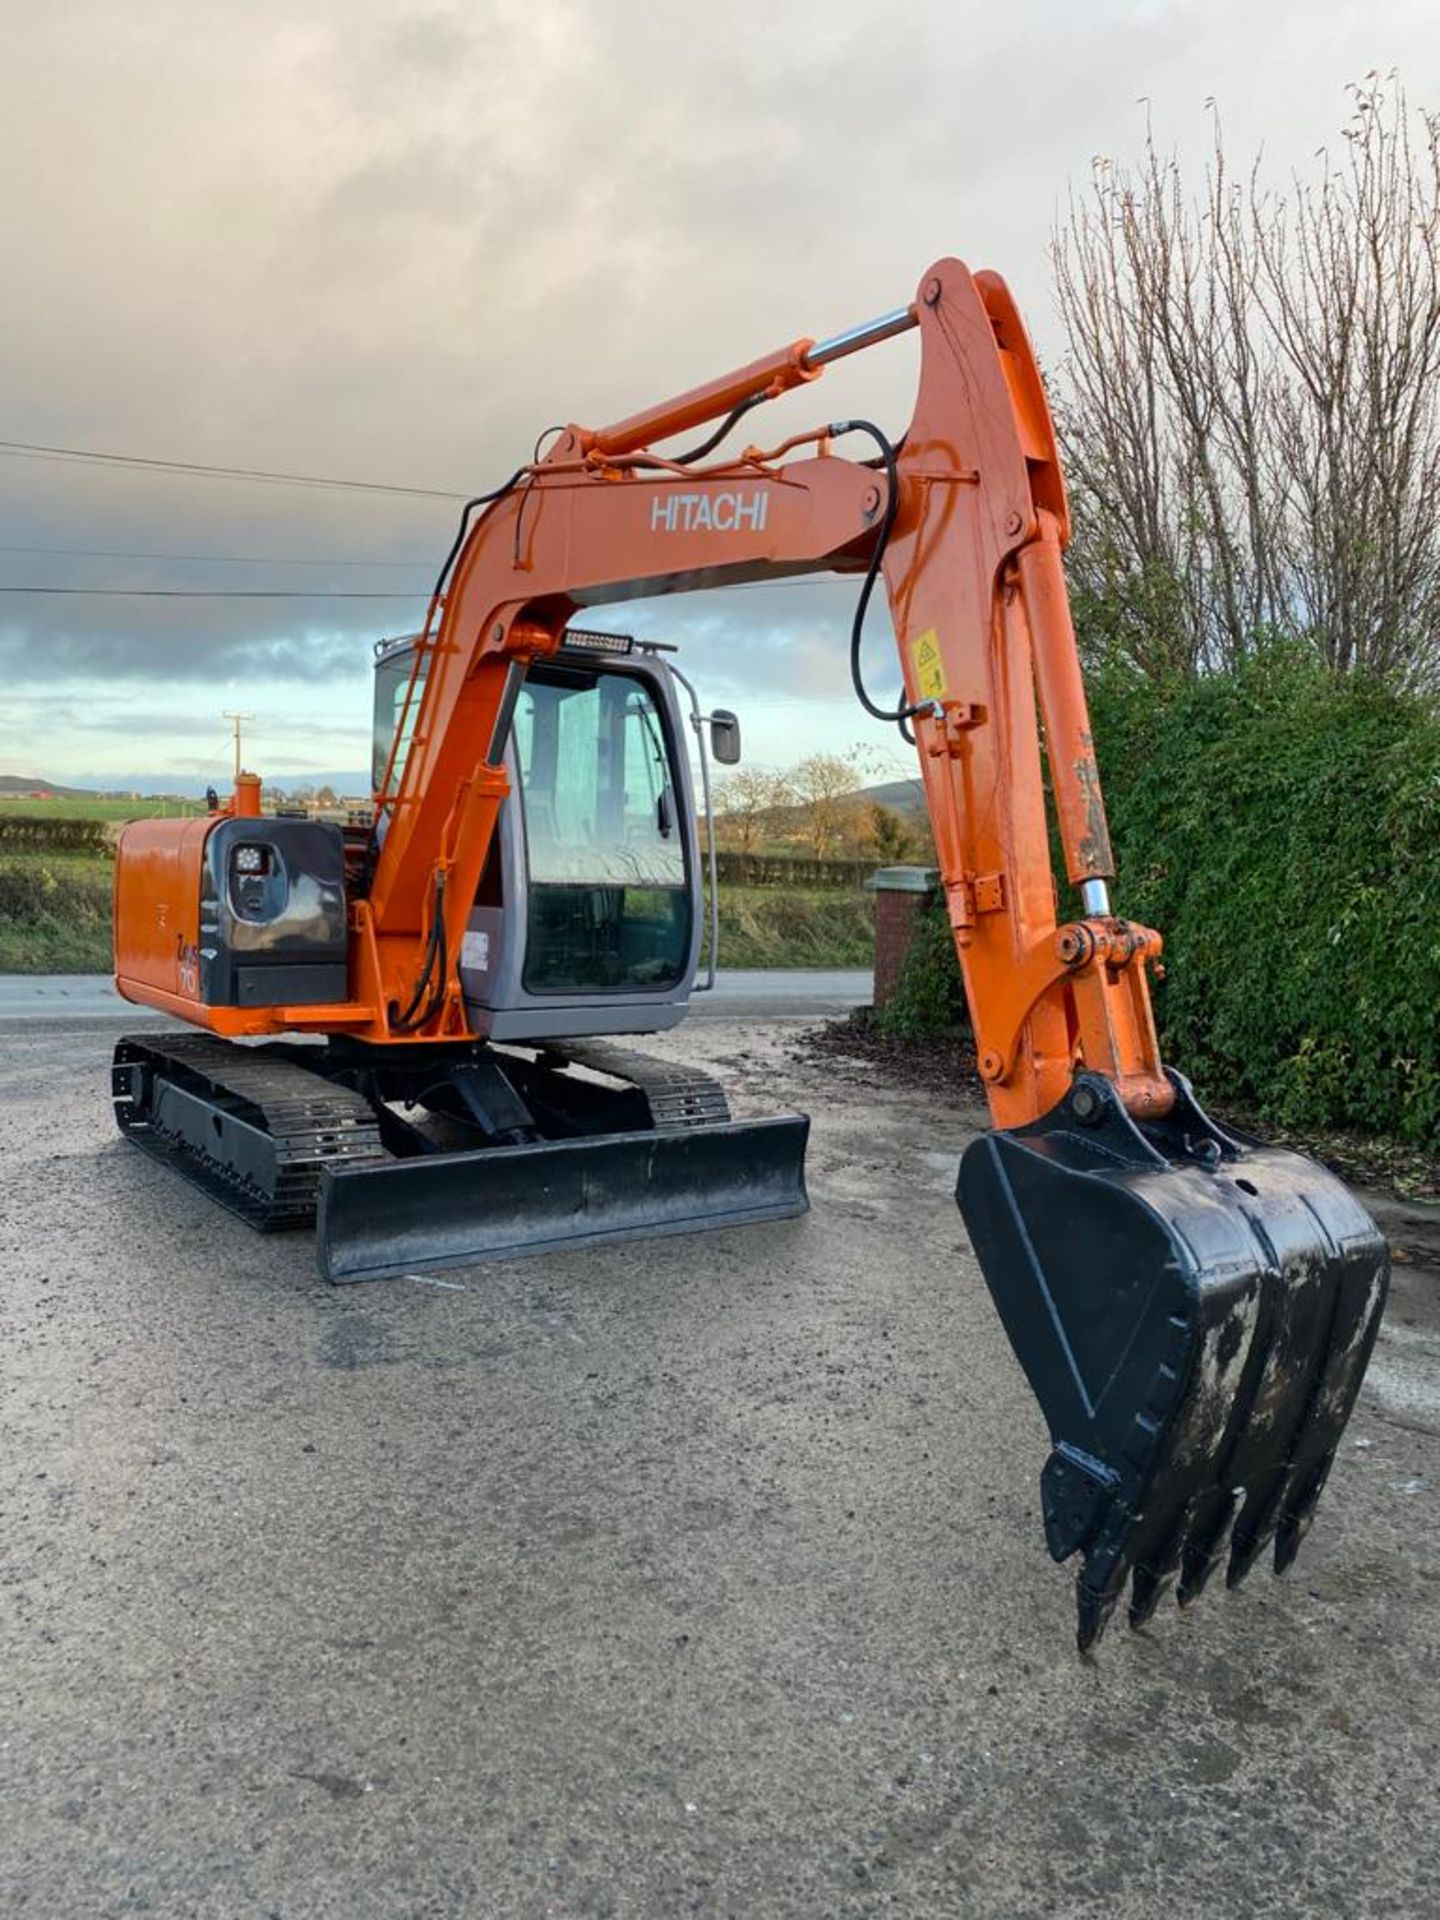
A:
x,y
585,641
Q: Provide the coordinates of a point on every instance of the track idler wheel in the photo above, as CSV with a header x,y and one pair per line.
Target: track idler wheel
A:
x,y
1194,1312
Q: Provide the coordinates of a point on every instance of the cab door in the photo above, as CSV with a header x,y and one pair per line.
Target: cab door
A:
x,y
606,832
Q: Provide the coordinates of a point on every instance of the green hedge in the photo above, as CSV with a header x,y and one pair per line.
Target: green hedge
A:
x,y
735,869
1283,833
33,832
55,915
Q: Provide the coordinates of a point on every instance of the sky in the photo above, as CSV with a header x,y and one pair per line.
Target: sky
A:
x,y
389,243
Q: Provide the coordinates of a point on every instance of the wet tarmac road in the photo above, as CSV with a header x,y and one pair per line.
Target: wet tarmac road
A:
x,y
790,993
701,1576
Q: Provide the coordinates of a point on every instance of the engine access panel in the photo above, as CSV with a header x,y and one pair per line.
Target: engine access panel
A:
x,y
272,914
231,912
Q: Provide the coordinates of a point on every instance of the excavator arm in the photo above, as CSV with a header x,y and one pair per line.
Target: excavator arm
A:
x,y
966,521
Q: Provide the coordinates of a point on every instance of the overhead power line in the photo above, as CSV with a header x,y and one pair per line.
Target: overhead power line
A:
x,y
89,456
321,593
223,559
210,593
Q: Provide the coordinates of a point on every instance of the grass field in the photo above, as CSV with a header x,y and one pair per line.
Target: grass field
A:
x,y
55,913
786,927
55,909
111,810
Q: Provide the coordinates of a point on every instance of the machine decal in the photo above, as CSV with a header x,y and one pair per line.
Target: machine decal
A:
x,y
475,951
709,512
929,670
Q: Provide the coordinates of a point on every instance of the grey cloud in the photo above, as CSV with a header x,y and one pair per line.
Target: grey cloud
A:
x,y
167,646
180,724
787,641
394,241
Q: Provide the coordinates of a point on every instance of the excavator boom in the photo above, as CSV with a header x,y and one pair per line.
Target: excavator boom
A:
x,y
1193,1310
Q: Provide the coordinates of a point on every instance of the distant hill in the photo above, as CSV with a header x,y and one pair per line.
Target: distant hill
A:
x,y
23,783
172,785
904,796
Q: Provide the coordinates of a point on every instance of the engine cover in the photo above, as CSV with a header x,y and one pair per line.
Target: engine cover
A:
x,y
232,911
272,914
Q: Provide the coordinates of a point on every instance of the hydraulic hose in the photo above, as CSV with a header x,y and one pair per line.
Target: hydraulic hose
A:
x,y
430,987
899,715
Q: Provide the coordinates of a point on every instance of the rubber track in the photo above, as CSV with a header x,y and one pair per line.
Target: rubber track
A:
x,y
313,1122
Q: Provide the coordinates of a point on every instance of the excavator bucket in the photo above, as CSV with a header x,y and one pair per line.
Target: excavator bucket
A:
x,y
387,1217
1194,1312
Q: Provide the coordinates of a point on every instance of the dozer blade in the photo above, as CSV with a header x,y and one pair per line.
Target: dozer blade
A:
x,y
1194,1312
445,1209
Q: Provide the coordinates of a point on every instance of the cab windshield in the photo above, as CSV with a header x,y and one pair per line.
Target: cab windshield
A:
x,y
605,842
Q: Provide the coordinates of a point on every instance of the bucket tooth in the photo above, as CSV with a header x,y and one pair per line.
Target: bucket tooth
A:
x,y
1093,1610
1155,1576
1194,1312
1147,1590
1245,1550
1299,1512
1205,1547
1290,1534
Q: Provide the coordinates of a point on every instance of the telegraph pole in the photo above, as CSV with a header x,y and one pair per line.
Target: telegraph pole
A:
x,y
239,720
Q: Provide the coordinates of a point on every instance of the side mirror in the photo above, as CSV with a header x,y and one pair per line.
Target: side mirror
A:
x,y
725,737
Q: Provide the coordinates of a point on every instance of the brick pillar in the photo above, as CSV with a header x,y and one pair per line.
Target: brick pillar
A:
x,y
901,893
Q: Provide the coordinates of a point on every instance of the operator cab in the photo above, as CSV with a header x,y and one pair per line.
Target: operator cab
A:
x,y
589,915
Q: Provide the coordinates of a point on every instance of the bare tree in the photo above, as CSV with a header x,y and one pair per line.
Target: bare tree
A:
x,y
1249,403
745,805
825,787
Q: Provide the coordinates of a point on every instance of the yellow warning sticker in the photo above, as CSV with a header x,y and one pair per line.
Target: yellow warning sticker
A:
x,y
929,669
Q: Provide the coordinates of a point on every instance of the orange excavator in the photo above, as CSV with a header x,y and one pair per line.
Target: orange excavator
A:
x,y
1194,1310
